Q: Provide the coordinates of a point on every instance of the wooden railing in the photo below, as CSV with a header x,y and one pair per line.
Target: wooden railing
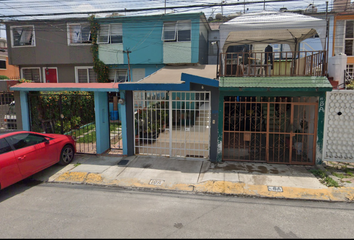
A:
x,y
269,64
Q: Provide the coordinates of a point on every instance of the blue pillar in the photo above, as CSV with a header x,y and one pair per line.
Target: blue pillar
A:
x,y
123,118
102,122
25,111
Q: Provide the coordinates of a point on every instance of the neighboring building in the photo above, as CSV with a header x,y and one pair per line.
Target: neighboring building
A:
x,y
6,69
271,101
55,51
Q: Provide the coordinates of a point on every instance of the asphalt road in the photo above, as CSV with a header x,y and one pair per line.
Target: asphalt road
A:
x,y
32,210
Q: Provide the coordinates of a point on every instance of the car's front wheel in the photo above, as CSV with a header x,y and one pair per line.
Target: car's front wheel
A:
x,y
66,155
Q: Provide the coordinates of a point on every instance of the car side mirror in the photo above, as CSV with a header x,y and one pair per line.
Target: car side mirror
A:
x,y
46,141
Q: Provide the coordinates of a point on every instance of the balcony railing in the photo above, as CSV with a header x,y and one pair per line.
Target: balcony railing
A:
x,y
273,64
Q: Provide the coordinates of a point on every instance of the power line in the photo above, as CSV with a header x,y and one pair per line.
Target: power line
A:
x,y
145,9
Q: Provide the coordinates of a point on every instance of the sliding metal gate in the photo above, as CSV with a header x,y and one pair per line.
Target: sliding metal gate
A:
x,y
175,124
273,130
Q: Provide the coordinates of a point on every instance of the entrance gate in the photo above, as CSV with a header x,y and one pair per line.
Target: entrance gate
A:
x,y
65,113
175,124
272,130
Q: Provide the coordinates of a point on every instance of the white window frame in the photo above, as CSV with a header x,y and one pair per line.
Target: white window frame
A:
x,y
116,75
33,40
109,32
350,39
70,42
44,75
77,73
178,25
39,70
3,59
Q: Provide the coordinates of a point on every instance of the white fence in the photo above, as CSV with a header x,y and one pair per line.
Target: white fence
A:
x,y
338,143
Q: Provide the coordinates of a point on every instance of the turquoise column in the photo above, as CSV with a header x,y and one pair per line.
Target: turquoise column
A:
x,y
123,119
25,111
102,122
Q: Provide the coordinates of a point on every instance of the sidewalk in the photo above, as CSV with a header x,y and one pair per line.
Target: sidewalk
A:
x,y
198,176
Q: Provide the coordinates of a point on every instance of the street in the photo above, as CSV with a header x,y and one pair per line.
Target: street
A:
x,y
46,210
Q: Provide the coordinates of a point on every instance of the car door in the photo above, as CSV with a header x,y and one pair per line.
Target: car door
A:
x,y
9,170
25,153
47,150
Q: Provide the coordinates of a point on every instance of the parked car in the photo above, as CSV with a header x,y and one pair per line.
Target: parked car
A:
x,y
10,117
24,153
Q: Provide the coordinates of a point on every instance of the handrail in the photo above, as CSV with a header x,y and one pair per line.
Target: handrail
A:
x,y
269,64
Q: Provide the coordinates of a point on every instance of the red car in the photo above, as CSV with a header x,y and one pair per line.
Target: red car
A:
x,y
24,153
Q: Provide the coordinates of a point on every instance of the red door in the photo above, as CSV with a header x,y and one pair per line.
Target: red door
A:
x,y
51,75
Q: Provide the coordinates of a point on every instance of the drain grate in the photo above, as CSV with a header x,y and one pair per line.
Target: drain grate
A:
x,y
123,162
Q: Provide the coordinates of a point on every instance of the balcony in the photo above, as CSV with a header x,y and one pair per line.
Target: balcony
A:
x,y
273,64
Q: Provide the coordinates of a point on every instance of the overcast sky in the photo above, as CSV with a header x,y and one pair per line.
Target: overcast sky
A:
x,y
20,7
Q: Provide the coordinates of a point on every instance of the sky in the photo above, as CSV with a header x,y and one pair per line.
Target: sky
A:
x,y
21,7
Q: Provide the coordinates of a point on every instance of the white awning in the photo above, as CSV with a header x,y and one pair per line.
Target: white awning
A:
x,y
270,27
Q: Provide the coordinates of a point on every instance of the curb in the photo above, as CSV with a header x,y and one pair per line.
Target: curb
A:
x,y
215,187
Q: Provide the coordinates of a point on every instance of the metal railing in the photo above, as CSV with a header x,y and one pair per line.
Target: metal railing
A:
x,y
269,64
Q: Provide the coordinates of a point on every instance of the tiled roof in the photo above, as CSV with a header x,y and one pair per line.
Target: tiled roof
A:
x,y
275,82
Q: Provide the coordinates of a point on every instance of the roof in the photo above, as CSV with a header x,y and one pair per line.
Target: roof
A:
x,y
270,27
176,78
172,74
294,83
93,87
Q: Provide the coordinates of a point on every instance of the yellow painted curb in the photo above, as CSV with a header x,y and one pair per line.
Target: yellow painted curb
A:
x,y
332,194
94,178
72,177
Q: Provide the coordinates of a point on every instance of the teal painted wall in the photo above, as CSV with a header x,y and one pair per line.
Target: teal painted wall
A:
x,y
142,36
102,122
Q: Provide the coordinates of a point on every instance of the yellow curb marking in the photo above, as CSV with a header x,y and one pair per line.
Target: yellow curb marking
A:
x,y
94,178
72,177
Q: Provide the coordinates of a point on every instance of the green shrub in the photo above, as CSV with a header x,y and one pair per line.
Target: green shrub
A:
x,y
4,77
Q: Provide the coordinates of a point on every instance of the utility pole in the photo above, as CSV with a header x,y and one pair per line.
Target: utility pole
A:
x,y
127,52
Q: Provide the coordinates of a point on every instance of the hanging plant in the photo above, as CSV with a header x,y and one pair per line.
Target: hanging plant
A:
x,y
99,67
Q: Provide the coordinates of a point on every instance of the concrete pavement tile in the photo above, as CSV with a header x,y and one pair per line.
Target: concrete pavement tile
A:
x,y
283,181
163,172
219,176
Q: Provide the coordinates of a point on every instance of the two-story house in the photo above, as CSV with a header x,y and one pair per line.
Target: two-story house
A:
x,y
51,51
132,48
271,103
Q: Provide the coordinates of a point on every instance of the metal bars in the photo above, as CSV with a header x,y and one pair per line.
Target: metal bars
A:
x,y
172,123
64,113
7,111
286,63
270,129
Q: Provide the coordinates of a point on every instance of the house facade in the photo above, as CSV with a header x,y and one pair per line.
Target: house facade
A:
x,y
271,103
135,47
6,69
51,51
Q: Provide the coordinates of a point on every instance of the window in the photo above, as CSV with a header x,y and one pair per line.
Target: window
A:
x,y
179,31
22,36
121,75
2,64
349,38
4,146
85,75
110,33
31,74
79,33
25,140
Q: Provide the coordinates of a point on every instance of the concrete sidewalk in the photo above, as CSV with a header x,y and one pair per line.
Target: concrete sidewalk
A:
x,y
198,176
